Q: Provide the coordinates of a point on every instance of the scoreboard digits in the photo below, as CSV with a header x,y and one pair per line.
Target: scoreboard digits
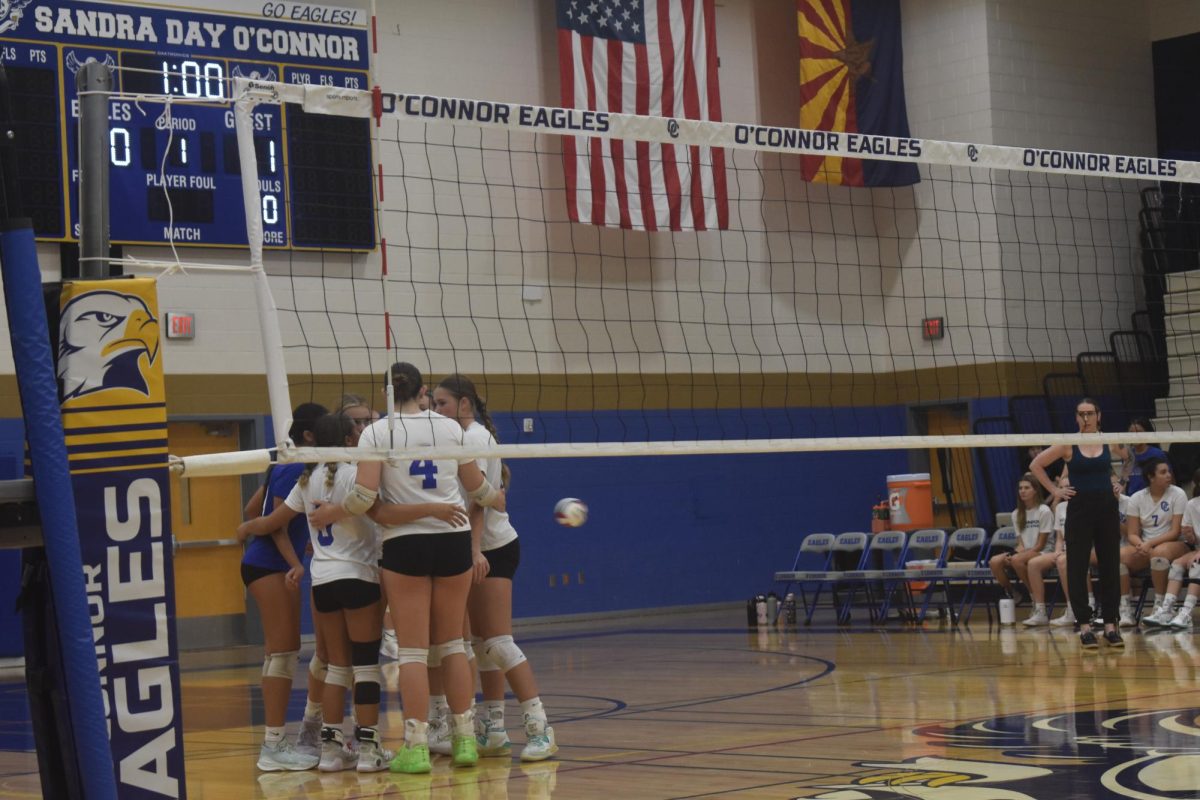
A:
x,y
175,171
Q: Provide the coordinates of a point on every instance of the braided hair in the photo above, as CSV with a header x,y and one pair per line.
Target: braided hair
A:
x,y
461,386
330,430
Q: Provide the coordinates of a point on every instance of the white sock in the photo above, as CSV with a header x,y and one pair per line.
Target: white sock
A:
x,y
463,724
274,735
494,709
1190,602
415,732
1168,602
312,710
1039,607
533,709
438,707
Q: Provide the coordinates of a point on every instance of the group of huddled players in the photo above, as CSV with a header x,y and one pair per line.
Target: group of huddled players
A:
x,y
425,545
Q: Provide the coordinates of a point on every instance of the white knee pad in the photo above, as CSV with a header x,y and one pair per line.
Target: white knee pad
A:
x,y
339,676
1123,570
450,648
1159,564
503,652
412,655
469,650
482,659
1194,572
317,668
280,665
1176,572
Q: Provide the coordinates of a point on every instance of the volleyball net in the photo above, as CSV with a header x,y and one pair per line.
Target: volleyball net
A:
x,y
755,306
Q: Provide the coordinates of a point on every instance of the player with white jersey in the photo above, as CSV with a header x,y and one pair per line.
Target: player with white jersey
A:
x,y
1154,529
345,596
1186,565
426,564
490,602
1035,526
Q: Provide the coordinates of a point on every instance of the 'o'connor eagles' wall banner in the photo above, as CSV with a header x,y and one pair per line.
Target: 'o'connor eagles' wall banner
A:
x,y
114,415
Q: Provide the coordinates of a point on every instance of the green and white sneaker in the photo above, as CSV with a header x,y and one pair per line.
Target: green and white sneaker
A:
x,y
372,756
283,756
491,739
463,750
539,740
413,757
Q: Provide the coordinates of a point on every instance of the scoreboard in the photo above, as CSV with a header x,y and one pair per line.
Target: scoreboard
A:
x,y
179,175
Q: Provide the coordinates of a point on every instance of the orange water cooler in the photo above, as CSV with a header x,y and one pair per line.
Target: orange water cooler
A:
x,y
910,501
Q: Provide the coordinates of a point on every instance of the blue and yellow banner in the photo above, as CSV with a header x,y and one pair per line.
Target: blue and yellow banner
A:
x,y
110,379
852,80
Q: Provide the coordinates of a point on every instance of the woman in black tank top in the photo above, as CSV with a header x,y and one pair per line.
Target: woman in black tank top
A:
x,y
1093,521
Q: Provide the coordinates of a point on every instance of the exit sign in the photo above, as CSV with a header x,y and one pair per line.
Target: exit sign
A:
x,y
181,325
933,328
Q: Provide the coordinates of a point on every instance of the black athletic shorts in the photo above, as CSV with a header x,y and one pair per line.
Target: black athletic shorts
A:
x,y
504,560
251,573
438,555
345,594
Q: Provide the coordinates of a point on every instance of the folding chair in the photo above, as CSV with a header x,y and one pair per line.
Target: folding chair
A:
x,y
927,545
816,547
888,547
849,548
964,552
1003,539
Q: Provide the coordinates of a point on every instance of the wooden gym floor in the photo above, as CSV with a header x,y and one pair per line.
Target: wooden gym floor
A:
x,y
694,705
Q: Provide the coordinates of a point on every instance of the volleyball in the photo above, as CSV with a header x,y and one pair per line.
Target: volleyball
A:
x,y
571,512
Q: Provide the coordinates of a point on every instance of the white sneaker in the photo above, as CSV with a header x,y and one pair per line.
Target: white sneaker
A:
x,y
1160,616
1038,617
388,647
372,756
491,739
439,736
539,741
283,756
1126,619
1181,621
335,757
308,741
1066,620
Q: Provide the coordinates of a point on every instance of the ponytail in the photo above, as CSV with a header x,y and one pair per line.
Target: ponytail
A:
x,y
461,386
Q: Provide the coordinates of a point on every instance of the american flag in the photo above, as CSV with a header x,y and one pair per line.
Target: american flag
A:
x,y
650,57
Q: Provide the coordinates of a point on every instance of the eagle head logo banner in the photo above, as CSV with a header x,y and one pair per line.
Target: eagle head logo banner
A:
x,y
114,411
852,80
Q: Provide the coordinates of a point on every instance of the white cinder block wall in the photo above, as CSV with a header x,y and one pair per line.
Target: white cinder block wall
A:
x,y
843,291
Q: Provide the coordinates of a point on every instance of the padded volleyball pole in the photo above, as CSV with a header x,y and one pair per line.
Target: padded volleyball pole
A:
x,y
268,316
38,388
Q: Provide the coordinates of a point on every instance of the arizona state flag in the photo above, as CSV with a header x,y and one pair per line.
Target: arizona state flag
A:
x,y
852,79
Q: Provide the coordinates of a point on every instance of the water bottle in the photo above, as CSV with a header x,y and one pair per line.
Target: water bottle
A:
x,y
772,608
1008,611
760,610
751,613
789,608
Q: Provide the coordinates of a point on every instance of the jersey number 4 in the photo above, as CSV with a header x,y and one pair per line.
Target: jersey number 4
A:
x,y
428,469
325,536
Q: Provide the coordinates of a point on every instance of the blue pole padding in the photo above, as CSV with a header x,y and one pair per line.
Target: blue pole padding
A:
x,y
38,386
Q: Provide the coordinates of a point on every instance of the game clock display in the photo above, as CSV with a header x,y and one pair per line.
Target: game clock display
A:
x,y
174,169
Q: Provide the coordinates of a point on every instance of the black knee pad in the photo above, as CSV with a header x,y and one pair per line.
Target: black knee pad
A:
x,y
366,693
364,653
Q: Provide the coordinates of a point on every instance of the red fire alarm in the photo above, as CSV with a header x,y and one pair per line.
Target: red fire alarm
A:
x,y
933,328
